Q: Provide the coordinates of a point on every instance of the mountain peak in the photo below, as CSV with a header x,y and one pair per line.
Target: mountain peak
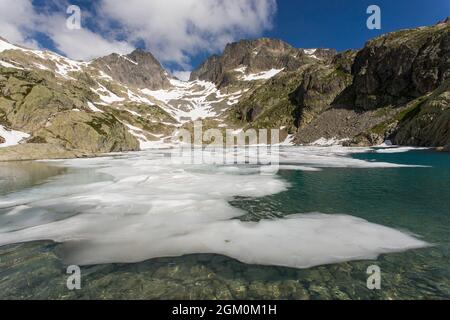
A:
x,y
138,69
139,51
269,43
256,56
446,20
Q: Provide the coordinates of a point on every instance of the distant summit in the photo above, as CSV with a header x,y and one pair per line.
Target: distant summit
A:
x,y
138,69
256,56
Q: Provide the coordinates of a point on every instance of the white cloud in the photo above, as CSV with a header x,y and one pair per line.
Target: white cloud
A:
x,y
17,21
176,29
173,30
81,44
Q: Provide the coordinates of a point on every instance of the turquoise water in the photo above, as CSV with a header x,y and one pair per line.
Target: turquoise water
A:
x,y
415,199
412,199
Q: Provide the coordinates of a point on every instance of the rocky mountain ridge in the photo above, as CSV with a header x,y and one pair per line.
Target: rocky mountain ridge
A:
x,y
395,88
112,104
255,57
138,69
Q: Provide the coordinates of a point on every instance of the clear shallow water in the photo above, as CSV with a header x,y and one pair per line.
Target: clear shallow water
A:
x,y
407,198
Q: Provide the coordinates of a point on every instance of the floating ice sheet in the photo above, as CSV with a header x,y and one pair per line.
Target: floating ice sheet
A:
x,y
142,205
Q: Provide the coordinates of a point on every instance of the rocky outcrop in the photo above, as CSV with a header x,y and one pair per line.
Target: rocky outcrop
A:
x,y
320,86
395,88
404,76
428,122
101,133
56,114
401,66
268,106
256,56
79,107
294,99
138,69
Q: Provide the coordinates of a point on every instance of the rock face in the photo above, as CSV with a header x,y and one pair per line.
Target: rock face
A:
x,y
56,114
294,99
428,124
405,75
320,86
66,108
256,56
138,69
401,66
100,133
395,88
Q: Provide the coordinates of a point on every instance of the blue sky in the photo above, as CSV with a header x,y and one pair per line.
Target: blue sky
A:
x,y
182,33
342,24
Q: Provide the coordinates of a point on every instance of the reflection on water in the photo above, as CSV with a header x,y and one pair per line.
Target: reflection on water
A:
x,y
413,199
18,175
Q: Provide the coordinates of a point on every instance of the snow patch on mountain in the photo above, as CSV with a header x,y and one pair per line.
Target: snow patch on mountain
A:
x,y
311,53
93,108
12,137
62,64
324,142
4,45
107,96
128,59
265,75
9,65
193,100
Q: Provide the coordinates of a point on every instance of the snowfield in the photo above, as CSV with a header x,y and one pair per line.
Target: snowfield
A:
x,y
12,137
265,75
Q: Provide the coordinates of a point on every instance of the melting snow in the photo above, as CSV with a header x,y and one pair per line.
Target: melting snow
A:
x,y
311,53
241,69
289,141
105,76
63,65
93,108
159,208
187,101
11,137
398,149
144,142
129,60
9,65
265,75
110,98
134,113
184,101
328,142
8,46
163,95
